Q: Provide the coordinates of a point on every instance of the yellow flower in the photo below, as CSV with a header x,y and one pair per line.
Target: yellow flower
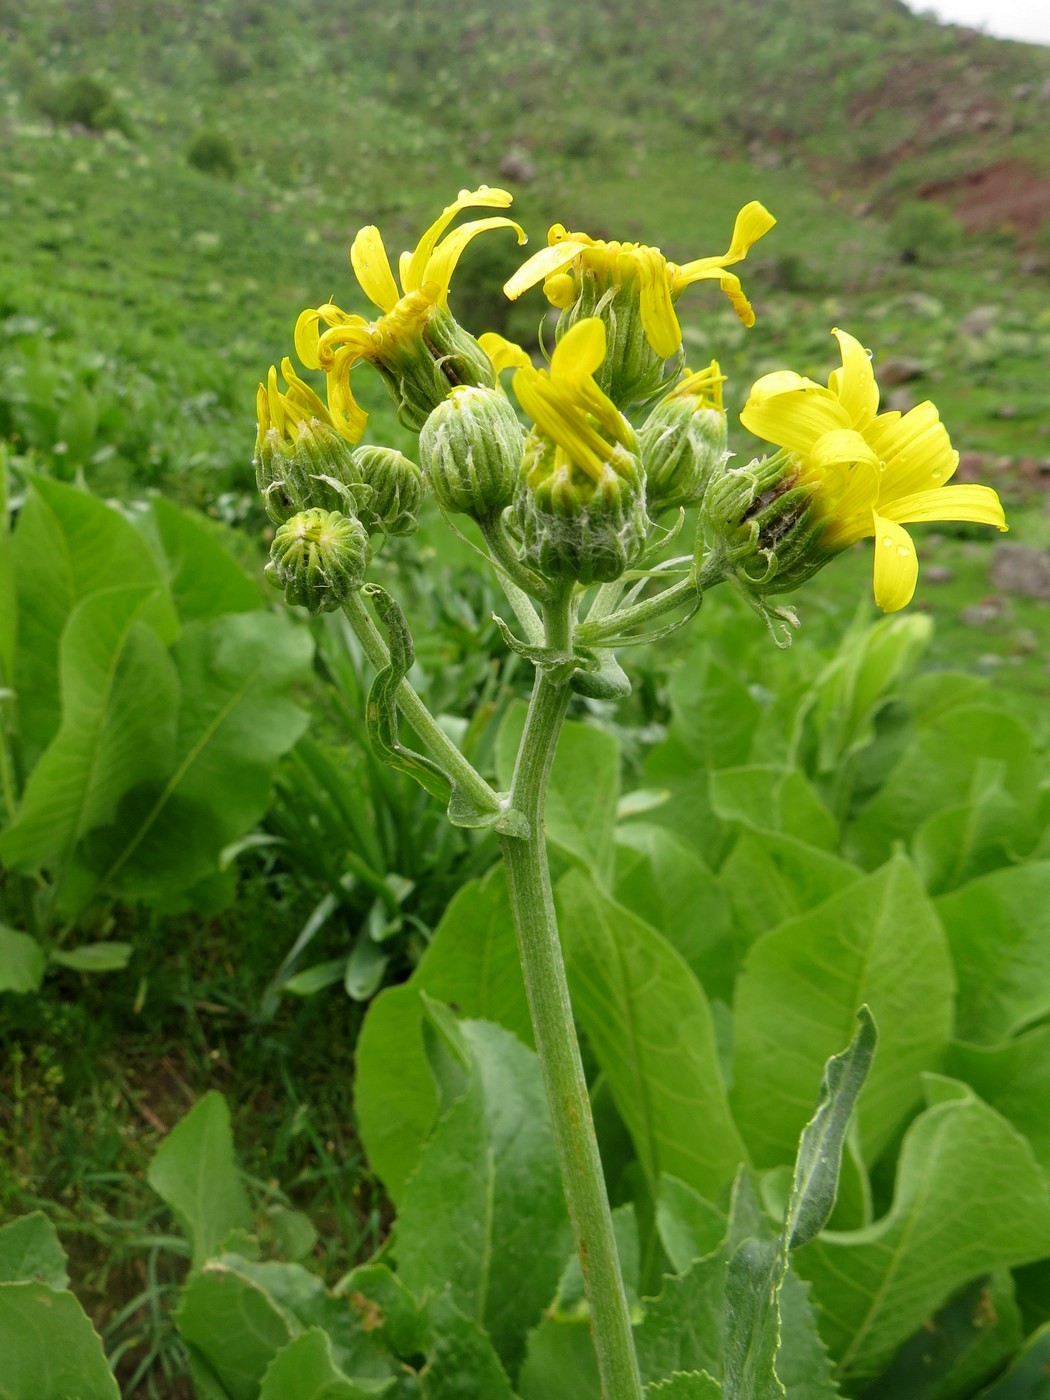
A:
x,y
568,407
570,257
415,332
287,412
581,514
877,472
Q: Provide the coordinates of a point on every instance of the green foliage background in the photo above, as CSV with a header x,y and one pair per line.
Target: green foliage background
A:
x,y
844,822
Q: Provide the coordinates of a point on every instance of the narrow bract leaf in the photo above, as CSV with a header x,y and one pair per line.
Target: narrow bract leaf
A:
x,y
819,1159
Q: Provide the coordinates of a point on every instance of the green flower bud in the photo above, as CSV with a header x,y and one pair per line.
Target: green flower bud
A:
x,y
301,461
395,490
768,522
427,355
471,448
575,526
632,371
318,557
683,442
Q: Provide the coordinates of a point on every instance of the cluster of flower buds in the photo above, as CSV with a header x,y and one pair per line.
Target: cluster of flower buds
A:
x,y
617,432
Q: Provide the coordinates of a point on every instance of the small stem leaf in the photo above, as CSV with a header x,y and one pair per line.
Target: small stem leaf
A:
x,y
752,1321
819,1159
381,706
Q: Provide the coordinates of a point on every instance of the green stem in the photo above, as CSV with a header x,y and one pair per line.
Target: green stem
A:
x,y
460,769
684,591
532,902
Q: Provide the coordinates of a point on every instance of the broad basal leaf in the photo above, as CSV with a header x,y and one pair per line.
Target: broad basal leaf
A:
x,y
484,1211
119,700
879,942
30,1251
235,720
67,546
970,1197
48,1348
193,1171
649,1025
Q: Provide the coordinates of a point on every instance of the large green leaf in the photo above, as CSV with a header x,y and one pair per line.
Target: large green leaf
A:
x,y
970,1197
48,1348
68,545
968,1340
30,1251
584,785
663,880
945,766
22,961
235,720
471,962
204,579
763,798
879,942
1015,1079
305,1370
1029,1377
999,931
985,832
234,1324
193,1171
714,721
774,877
119,701
484,1212
649,1025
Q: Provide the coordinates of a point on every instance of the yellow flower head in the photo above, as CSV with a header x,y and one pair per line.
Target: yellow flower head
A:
x,y
569,409
570,257
876,471
285,413
408,312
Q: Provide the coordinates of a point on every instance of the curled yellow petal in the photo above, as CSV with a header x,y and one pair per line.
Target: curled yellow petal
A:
x,y
978,504
854,383
503,353
347,414
543,265
372,268
896,566
796,418
659,321
306,338
413,268
580,350
752,223
442,263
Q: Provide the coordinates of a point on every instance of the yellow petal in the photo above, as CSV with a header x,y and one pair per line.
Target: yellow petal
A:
x,y
978,504
542,265
753,221
561,290
503,353
796,419
262,409
896,567
554,415
347,414
442,264
413,269
372,268
306,338
659,321
842,447
580,350
854,383
917,452
275,408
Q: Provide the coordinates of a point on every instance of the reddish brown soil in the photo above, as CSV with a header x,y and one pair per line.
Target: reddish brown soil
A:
x,y
1006,195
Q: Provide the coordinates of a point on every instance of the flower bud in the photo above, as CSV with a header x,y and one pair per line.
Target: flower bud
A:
x,y
683,442
301,460
394,490
575,526
425,354
632,371
471,447
318,557
768,522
